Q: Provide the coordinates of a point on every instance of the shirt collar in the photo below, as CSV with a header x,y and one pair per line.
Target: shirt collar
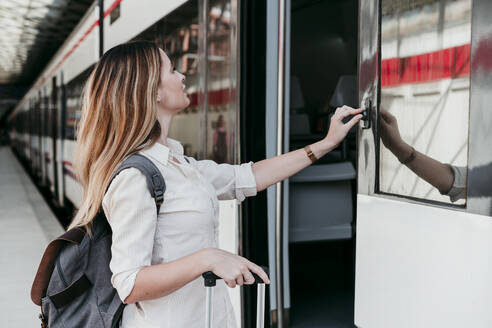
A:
x,y
161,153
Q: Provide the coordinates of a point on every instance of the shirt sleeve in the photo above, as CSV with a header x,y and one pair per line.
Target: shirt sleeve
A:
x,y
458,189
229,181
132,214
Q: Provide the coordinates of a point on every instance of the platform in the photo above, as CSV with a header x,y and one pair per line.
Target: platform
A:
x,y
26,225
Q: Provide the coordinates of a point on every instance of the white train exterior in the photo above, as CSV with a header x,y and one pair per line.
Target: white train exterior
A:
x,y
358,238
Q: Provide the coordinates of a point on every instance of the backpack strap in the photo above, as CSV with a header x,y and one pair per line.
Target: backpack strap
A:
x,y
155,180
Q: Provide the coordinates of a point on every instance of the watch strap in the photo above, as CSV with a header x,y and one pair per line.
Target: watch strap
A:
x,y
310,154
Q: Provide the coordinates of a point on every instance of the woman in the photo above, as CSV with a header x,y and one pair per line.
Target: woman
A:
x,y
157,259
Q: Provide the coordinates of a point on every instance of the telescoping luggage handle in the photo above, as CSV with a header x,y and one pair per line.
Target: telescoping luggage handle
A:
x,y
210,279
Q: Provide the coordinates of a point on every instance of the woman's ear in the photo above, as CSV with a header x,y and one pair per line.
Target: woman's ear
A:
x,y
158,98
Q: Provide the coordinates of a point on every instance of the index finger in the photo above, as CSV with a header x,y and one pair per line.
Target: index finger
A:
x,y
353,111
259,271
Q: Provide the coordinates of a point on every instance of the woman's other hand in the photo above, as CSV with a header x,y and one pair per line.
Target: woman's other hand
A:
x,y
234,269
338,130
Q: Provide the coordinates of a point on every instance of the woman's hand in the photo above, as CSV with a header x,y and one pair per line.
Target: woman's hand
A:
x,y
338,130
275,169
234,269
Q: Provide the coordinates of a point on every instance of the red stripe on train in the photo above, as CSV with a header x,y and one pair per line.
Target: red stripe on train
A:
x,y
438,65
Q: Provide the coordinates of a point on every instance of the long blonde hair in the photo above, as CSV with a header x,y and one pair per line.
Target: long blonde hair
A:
x,y
119,118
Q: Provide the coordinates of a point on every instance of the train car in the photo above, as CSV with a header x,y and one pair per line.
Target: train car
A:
x,y
362,237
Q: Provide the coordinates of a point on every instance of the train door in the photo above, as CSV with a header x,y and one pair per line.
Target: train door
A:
x,y
47,140
39,135
320,200
311,61
33,137
53,132
60,126
423,254
44,151
30,134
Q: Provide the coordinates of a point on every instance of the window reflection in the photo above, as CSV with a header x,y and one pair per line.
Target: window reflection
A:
x,y
181,46
74,90
206,129
425,68
222,107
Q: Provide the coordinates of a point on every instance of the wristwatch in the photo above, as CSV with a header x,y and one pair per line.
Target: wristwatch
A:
x,y
310,154
409,158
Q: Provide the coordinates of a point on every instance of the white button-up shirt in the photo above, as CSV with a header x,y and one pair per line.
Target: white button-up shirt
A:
x,y
458,189
187,222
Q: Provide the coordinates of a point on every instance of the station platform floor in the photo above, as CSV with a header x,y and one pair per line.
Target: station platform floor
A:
x,y
26,226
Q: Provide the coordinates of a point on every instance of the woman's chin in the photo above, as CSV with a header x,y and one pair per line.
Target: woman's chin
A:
x,y
185,105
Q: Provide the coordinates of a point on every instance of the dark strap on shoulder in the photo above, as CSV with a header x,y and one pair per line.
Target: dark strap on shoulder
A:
x,y
155,180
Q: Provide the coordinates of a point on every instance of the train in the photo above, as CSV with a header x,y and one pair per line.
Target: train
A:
x,y
361,238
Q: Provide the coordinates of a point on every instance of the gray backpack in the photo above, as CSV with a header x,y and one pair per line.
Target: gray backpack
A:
x,y
73,281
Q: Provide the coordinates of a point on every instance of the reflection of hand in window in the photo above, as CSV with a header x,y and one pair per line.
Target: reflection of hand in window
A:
x,y
440,175
390,136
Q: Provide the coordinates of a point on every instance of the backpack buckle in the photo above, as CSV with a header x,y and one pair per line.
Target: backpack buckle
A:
x,y
159,196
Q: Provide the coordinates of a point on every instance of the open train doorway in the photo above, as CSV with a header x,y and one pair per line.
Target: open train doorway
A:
x,y
315,246
321,198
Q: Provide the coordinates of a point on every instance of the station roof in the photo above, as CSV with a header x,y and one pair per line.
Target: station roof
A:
x,y
31,33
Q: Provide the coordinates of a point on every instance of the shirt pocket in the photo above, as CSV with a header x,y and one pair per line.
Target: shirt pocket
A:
x,y
212,194
190,198
186,217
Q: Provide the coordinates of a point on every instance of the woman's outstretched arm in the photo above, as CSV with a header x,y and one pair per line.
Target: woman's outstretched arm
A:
x,y
275,169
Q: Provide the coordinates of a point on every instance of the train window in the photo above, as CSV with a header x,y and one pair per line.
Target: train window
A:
x,y
115,14
35,116
40,117
181,45
177,35
424,104
221,81
210,85
46,116
74,103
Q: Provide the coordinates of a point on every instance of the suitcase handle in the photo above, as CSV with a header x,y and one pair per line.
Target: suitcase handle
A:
x,y
210,278
210,281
